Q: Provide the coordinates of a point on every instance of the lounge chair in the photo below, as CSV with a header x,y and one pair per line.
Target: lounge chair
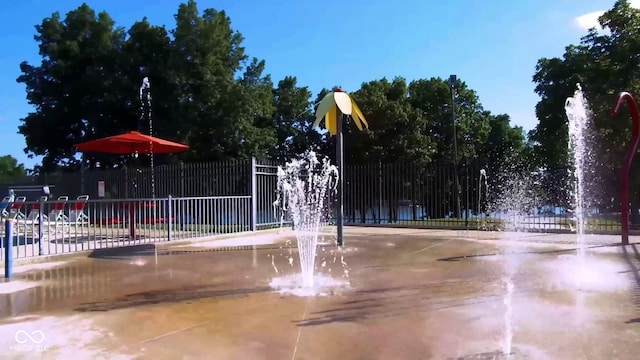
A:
x,y
76,210
56,211
34,213
4,205
15,209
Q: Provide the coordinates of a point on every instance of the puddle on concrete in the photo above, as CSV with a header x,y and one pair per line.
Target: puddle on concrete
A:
x,y
592,273
14,286
323,285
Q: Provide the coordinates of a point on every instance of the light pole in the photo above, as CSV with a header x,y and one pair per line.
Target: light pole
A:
x,y
453,79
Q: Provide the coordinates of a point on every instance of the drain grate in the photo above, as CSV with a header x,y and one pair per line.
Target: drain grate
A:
x,y
493,355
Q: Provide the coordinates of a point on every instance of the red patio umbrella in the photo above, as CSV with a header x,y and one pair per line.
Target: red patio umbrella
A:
x,y
129,143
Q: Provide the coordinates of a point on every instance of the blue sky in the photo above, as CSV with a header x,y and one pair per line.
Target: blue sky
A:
x,y
492,45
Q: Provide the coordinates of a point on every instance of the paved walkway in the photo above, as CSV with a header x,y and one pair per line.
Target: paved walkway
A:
x,y
397,294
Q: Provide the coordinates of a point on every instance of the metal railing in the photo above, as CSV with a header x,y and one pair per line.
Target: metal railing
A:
x,y
64,226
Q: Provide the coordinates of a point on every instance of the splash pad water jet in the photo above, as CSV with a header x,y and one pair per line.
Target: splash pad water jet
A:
x,y
304,188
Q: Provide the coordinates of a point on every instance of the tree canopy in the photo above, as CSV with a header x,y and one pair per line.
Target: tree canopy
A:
x,y
10,168
605,62
210,94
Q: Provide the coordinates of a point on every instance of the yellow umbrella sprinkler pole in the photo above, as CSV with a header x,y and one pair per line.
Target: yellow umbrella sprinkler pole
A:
x,y
340,164
333,108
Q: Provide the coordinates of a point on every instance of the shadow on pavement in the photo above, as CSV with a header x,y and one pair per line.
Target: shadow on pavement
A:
x,y
167,296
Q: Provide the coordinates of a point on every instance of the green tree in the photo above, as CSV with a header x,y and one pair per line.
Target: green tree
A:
x,y
505,145
72,89
432,97
10,168
604,63
222,117
556,80
293,121
148,53
446,184
396,128
87,85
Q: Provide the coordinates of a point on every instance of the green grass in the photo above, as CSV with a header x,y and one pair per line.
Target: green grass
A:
x,y
594,224
493,224
453,223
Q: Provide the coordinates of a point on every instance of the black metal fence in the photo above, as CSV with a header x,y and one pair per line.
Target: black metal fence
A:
x,y
375,193
397,193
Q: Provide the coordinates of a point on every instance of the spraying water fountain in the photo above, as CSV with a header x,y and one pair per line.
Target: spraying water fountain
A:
x,y
483,184
304,188
578,115
145,102
517,200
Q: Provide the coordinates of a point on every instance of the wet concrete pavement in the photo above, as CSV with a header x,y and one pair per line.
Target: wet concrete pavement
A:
x,y
413,294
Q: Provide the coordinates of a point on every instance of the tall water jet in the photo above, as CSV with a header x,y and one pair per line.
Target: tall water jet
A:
x,y
482,181
577,112
145,102
515,194
517,190
303,189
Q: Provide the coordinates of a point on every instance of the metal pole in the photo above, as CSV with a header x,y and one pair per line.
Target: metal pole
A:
x,y
340,163
452,84
82,174
8,245
628,159
466,195
379,192
253,191
169,218
41,203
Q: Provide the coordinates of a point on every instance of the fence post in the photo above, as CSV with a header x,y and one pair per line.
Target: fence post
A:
x,y
169,218
379,192
182,179
414,185
466,200
82,175
8,244
40,224
254,194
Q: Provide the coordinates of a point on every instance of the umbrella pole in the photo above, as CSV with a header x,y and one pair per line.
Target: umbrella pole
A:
x,y
131,204
153,177
134,180
340,187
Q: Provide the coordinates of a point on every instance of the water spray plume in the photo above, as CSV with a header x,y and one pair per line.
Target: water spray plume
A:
x,y
303,190
579,115
628,159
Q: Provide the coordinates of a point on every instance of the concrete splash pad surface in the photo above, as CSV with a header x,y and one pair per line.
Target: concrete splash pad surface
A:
x,y
413,294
